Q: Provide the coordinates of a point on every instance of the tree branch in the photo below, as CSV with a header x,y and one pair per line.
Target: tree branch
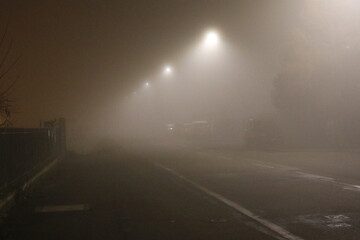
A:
x,y
10,67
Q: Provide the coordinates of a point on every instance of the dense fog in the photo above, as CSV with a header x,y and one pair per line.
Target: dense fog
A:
x,y
275,73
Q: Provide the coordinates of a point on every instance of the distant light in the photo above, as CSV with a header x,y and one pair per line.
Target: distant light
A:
x,y
167,70
211,39
147,84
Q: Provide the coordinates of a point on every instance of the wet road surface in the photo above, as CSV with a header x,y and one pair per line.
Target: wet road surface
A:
x,y
311,195
178,191
119,195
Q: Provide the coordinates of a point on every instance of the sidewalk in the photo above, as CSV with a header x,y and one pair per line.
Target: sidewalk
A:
x,y
112,195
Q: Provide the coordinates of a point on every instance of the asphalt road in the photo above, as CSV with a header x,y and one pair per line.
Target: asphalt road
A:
x,y
303,195
115,194
182,191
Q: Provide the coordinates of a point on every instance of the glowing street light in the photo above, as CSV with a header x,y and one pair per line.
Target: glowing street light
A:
x,y
167,70
211,39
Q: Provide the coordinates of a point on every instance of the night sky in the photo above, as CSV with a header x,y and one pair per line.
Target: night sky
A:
x,y
81,57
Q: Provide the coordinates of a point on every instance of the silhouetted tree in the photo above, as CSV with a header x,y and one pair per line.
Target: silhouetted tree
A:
x,y
6,65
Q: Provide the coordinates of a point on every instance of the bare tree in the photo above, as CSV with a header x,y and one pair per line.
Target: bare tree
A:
x,y
6,65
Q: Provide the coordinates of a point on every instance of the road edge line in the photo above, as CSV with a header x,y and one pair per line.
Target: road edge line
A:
x,y
40,173
269,225
11,195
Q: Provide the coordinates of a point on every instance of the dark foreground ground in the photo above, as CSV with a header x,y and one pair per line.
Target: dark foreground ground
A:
x,y
118,195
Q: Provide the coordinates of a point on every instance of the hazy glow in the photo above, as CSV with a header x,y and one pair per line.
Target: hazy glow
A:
x,y
147,84
211,39
167,70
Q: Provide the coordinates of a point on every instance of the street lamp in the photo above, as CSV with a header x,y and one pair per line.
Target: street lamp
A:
x,y
211,39
167,70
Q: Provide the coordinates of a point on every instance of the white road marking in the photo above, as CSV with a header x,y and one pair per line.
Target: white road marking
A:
x,y
309,176
224,157
278,166
351,187
298,172
343,185
315,177
7,199
262,165
271,226
63,208
10,196
39,174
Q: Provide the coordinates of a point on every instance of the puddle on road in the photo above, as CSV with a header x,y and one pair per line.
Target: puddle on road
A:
x,y
326,221
337,218
338,221
339,225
